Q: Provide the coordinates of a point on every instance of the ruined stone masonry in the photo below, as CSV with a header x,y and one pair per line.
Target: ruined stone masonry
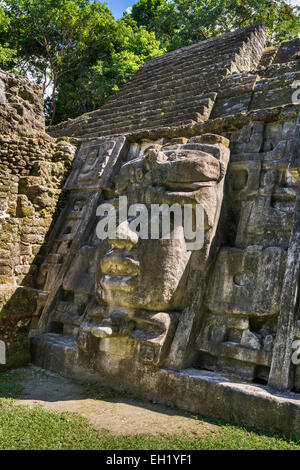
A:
x,y
211,330
33,167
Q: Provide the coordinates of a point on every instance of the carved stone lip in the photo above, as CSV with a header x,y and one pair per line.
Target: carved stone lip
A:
x,y
285,194
119,265
190,186
119,283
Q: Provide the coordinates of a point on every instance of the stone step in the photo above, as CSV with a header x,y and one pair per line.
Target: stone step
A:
x,y
133,127
137,120
205,59
180,93
183,65
173,88
140,125
268,56
152,104
185,76
201,50
201,81
166,107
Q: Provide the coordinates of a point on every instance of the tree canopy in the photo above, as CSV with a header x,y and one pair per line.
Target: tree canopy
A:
x,y
6,52
74,46
81,55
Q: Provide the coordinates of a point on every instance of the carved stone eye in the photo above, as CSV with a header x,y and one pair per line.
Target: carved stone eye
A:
x,y
242,279
139,174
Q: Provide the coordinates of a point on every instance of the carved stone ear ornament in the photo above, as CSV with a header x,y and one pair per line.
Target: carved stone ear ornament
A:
x,y
222,171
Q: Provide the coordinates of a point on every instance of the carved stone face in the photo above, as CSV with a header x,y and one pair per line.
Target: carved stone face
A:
x,y
151,274
144,274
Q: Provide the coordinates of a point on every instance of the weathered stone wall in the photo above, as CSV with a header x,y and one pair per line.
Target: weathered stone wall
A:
x,y
21,108
33,167
252,107
243,298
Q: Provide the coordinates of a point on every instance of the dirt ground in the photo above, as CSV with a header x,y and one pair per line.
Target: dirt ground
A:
x,y
119,413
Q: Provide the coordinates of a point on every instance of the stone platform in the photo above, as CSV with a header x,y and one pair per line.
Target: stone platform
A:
x,y
203,392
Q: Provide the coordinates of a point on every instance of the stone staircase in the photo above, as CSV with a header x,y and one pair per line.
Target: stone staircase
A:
x,y
177,88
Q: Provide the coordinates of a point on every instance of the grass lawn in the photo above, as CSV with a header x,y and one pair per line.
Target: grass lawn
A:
x,y
36,428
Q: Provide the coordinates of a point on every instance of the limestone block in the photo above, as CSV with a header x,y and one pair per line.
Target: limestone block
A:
x,y
2,93
245,354
273,134
235,95
250,340
263,224
272,97
288,51
244,179
249,139
288,129
247,282
81,276
268,343
297,379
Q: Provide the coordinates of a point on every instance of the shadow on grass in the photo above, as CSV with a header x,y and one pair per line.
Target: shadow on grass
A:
x,y
14,385
10,384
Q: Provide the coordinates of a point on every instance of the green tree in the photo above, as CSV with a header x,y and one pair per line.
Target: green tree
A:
x,y
6,53
158,16
146,12
182,22
76,49
100,75
199,19
133,46
54,37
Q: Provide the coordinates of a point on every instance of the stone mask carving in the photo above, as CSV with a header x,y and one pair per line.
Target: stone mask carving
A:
x,y
136,274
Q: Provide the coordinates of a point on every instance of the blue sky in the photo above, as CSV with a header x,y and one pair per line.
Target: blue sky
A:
x,y
117,7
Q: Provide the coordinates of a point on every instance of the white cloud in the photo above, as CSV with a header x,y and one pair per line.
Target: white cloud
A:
x,y
128,10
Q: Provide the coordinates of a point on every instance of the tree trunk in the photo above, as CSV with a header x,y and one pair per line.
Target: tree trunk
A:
x,y
53,102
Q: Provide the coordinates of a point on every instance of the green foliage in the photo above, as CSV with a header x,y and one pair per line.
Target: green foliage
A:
x,y
159,16
6,53
146,12
76,47
136,46
101,73
207,18
55,36
182,22
78,52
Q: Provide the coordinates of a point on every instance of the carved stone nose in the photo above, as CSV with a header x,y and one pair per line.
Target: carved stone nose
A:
x,y
126,238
